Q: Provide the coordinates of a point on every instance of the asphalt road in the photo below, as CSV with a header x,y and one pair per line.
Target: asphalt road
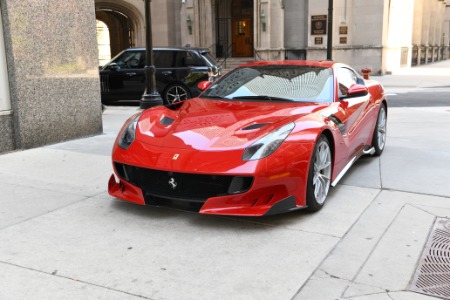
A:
x,y
425,97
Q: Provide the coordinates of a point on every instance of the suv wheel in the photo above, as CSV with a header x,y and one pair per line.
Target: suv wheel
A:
x,y
176,93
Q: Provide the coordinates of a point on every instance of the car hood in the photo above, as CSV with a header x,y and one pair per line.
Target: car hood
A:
x,y
217,125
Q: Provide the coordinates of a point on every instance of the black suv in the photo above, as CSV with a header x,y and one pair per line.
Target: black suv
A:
x,y
178,71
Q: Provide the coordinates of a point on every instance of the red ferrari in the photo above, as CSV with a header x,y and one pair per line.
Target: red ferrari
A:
x,y
266,138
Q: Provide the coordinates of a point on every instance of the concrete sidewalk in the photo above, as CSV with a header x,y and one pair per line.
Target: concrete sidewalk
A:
x,y
426,76
63,237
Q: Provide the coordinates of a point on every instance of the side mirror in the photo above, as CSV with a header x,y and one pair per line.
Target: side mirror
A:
x,y
357,90
113,67
203,85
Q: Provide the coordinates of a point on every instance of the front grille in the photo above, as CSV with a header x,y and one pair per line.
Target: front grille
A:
x,y
195,188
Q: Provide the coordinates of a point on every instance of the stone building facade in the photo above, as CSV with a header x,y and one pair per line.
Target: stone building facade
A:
x,y
384,35
49,83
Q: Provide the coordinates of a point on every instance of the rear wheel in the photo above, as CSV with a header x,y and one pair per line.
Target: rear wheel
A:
x,y
379,133
319,175
176,93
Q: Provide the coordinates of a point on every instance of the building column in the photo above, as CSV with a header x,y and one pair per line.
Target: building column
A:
x,y
269,29
417,32
400,33
5,101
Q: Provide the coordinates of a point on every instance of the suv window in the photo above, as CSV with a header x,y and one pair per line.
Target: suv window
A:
x,y
131,60
164,59
188,59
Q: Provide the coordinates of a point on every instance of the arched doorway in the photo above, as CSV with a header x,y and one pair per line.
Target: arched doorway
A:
x,y
234,28
120,29
122,21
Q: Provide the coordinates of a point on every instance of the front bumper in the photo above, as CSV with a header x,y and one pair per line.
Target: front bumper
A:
x,y
222,185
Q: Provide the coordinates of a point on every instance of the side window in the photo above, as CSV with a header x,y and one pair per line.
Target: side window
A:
x,y
192,60
131,60
187,59
346,78
164,59
181,60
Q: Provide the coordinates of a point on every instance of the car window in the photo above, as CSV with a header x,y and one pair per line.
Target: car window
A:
x,y
131,60
187,59
209,59
346,78
164,59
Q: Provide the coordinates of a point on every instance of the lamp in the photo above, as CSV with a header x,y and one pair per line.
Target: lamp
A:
x,y
189,24
263,21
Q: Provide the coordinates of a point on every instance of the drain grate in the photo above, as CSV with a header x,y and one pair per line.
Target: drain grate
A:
x,y
433,273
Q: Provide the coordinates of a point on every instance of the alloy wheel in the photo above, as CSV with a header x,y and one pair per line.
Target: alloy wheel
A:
x,y
322,172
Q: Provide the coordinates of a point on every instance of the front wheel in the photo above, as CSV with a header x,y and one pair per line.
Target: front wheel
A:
x,y
176,93
379,133
319,175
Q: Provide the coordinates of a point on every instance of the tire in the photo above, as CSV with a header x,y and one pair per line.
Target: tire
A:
x,y
319,175
379,132
175,93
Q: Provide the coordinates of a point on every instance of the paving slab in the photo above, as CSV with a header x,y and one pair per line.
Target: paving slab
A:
x,y
165,254
22,283
417,153
348,201
60,232
409,296
391,267
380,252
20,203
56,170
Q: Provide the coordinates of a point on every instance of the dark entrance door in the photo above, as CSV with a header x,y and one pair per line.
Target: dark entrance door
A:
x,y
234,28
242,37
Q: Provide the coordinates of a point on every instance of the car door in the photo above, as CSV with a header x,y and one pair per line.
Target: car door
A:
x,y
351,108
124,78
164,64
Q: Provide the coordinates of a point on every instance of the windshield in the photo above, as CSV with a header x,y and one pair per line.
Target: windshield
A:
x,y
275,83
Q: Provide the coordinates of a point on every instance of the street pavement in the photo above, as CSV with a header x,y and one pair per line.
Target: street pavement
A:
x,y
63,237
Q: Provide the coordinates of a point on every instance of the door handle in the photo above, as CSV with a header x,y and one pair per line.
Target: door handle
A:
x,y
167,72
131,74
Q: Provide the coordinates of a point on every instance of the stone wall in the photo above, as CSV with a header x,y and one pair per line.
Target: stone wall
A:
x,y
52,62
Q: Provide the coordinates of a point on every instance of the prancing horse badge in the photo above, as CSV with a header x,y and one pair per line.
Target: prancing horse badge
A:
x,y
173,184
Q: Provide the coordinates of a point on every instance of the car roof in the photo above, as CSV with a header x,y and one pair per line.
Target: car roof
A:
x,y
312,63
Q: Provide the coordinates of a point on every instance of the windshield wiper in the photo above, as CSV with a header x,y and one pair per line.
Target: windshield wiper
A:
x,y
260,97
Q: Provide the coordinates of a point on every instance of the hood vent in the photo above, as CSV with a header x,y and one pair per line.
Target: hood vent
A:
x,y
255,126
166,121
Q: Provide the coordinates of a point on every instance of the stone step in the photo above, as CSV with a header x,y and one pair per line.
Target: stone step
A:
x,y
233,62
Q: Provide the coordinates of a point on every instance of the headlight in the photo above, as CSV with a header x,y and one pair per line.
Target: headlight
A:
x,y
129,133
268,144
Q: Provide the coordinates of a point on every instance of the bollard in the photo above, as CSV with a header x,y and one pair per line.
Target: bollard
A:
x,y
366,72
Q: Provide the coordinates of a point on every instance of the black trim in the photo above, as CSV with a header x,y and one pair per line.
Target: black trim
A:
x,y
282,206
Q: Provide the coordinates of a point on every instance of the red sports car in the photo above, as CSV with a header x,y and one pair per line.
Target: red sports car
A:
x,y
266,138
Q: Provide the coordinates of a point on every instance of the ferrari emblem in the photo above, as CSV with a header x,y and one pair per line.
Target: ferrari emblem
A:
x,y
173,184
175,156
